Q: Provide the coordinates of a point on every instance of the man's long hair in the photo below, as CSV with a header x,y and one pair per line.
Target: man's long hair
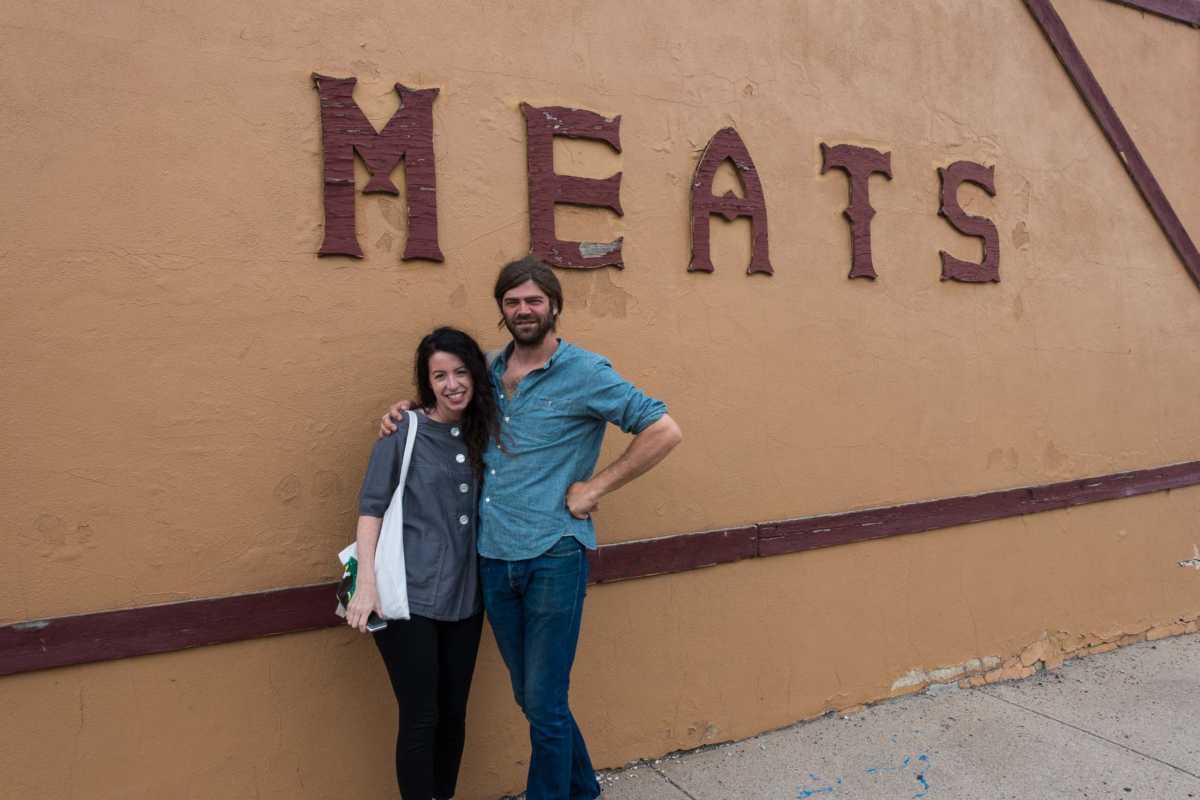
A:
x,y
479,417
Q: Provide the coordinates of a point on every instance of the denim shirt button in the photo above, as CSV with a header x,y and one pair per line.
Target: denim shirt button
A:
x,y
460,458
464,519
462,487
454,431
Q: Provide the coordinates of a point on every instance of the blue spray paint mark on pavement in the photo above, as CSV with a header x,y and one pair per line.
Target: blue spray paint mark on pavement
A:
x,y
919,763
802,794
924,767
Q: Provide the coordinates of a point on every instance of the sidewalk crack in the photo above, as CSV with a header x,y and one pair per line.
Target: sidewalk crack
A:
x,y
667,778
1094,735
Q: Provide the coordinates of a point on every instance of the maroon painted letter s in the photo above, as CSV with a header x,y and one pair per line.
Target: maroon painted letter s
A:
x,y
727,144
407,137
547,188
860,163
952,177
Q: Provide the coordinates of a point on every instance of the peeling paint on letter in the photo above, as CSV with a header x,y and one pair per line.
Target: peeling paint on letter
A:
x,y
598,249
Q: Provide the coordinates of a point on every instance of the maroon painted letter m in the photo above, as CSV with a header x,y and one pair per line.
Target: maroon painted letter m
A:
x,y
407,138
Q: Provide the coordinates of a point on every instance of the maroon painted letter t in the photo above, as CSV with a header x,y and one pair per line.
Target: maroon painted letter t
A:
x,y
860,163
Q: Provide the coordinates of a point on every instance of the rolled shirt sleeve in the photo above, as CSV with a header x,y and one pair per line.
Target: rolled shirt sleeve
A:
x,y
610,397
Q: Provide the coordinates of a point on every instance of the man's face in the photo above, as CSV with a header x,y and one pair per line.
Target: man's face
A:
x,y
528,313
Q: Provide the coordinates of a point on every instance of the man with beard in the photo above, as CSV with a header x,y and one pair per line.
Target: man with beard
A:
x,y
554,400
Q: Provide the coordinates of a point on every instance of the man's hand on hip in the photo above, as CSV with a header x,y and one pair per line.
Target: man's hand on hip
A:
x,y
647,449
582,499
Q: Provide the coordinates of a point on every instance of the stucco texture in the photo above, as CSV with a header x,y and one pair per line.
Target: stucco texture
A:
x,y
190,394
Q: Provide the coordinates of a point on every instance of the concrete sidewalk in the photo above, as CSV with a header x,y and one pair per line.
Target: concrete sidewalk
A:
x,y
1124,724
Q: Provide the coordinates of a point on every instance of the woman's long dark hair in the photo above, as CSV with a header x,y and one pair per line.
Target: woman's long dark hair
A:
x,y
479,418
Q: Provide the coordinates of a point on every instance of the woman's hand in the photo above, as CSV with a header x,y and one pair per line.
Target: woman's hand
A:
x,y
364,601
387,424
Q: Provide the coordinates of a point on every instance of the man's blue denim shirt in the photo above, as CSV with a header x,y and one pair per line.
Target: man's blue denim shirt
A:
x,y
551,432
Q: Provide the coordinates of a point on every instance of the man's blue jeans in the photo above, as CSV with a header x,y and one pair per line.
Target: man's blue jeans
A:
x,y
535,607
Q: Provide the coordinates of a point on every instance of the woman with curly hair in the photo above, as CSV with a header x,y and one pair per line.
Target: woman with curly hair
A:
x,y
430,657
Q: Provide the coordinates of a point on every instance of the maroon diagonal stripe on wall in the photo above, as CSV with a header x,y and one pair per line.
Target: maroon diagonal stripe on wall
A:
x,y
1081,75
1179,10
108,635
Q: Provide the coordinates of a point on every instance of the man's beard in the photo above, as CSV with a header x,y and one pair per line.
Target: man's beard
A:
x,y
531,336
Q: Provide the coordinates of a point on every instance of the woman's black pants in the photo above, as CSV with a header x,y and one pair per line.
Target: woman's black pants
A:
x,y
430,663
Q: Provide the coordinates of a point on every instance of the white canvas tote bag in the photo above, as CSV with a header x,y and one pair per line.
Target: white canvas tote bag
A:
x,y
391,580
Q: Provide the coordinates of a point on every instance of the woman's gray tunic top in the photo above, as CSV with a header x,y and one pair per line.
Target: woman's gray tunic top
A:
x,y
440,511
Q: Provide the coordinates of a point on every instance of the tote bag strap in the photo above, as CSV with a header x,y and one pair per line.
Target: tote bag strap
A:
x,y
391,578
408,448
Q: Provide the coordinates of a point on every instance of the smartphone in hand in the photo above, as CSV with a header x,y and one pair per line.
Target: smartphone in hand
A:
x,y
345,591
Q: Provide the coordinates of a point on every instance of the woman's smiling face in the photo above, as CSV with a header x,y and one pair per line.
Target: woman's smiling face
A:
x,y
451,383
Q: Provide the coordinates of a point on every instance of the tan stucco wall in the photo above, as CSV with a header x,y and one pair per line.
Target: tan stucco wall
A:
x,y
189,393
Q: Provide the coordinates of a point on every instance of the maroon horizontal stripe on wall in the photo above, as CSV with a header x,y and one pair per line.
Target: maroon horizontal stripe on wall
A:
x,y
648,557
107,635
792,536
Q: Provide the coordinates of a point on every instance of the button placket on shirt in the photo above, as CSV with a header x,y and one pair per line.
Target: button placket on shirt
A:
x,y
465,503
503,406
464,488
516,404
466,497
510,405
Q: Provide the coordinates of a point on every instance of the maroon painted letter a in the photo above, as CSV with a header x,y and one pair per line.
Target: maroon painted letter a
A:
x,y
727,144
